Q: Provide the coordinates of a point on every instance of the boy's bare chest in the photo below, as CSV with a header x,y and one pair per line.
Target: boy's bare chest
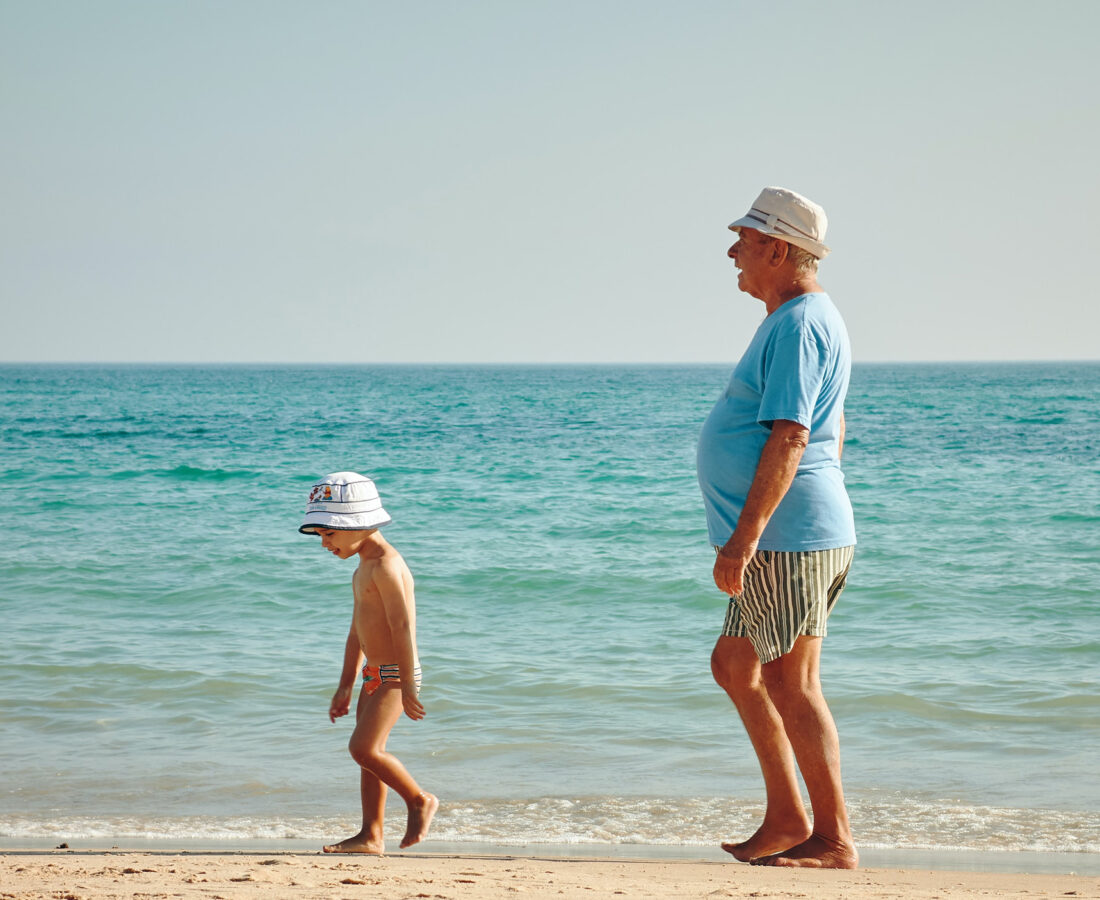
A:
x,y
368,602
370,612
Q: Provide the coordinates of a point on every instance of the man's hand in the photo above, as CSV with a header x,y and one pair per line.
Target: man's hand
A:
x,y
341,703
729,567
414,709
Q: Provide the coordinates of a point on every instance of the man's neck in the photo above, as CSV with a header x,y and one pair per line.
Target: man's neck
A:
x,y
798,288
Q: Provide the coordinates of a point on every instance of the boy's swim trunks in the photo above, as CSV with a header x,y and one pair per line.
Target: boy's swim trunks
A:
x,y
375,676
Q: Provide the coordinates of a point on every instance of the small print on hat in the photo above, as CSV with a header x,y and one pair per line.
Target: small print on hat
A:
x,y
344,501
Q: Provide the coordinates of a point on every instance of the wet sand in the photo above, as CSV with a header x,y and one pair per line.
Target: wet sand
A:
x,y
109,874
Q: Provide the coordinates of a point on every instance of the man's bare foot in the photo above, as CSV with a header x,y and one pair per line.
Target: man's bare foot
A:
x,y
768,841
421,811
361,843
816,853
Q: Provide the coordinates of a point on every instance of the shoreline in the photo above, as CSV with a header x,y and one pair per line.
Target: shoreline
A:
x,y
102,874
1010,862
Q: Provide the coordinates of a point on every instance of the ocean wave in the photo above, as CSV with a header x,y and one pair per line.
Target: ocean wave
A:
x,y
184,473
896,824
193,473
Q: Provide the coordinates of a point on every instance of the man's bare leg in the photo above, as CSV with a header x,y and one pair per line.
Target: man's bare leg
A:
x,y
737,670
794,686
370,840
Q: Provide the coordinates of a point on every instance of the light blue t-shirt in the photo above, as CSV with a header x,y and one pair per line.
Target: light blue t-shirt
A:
x,y
797,368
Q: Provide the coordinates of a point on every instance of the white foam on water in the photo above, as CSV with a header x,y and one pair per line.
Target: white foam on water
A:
x,y
615,821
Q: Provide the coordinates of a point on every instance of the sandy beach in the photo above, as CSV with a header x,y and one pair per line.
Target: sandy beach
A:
x,y
99,875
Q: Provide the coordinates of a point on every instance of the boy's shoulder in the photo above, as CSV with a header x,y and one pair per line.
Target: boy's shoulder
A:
x,y
390,564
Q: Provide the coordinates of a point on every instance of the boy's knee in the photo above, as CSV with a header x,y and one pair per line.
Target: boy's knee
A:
x,y
363,754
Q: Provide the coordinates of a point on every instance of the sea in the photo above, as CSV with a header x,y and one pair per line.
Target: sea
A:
x,y
169,642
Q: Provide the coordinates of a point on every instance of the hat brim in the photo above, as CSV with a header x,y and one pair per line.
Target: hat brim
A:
x,y
808,244
334,522
748,222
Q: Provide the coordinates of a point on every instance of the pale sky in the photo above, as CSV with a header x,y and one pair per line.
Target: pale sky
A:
x,y
516,181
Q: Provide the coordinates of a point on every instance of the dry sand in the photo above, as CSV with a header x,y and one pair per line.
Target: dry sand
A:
x,y
98,875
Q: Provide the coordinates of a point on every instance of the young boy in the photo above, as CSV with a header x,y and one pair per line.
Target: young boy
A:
x,y
345,510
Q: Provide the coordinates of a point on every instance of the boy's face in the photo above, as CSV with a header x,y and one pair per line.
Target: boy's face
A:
x,y
343,543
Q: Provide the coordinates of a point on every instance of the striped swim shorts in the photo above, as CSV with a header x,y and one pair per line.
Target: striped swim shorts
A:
x,y
786,595
376,676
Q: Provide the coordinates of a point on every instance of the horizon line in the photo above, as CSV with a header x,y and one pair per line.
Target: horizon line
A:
x,y
512,363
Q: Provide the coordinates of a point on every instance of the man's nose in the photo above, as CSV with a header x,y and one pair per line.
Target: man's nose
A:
x,y
732,252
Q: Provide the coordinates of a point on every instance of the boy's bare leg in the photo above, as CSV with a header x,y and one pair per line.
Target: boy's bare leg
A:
x,y
368,748
737,670
421,812
370,840
795,688
372,794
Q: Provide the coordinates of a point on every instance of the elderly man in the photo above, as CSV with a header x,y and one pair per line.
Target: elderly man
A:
x,y
781,521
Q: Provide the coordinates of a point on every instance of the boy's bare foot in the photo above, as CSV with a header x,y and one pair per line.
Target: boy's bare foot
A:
x,y
768,841
361,843
421,811
817,853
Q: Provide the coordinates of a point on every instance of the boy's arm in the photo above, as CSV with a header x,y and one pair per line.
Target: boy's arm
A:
x,y
391,588
353,659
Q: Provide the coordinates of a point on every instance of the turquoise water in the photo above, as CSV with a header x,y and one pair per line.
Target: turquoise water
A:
x,y
170,643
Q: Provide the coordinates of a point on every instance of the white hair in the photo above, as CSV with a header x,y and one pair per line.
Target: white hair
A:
x,y
804,260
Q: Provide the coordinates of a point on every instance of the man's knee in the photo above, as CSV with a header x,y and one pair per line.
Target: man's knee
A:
x,y
789,680
778,677
719,668
734,666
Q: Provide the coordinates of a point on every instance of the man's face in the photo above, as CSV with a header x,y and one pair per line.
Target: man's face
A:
x,y
751,253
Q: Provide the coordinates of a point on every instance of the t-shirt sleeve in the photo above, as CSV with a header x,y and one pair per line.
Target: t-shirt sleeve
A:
x,y
793,374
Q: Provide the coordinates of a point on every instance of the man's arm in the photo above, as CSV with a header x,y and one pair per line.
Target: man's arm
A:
x,y
840,438
774,473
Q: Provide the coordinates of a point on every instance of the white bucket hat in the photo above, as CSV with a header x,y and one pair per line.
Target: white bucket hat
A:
x,y
344,501
789,217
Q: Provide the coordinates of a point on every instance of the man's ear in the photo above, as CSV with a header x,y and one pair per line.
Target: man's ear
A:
x,y
779,252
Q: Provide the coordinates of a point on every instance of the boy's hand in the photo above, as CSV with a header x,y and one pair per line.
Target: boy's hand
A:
x,y
341,703
414,709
